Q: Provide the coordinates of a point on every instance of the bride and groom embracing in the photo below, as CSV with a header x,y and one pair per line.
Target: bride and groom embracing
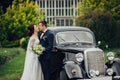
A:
x,y
37,67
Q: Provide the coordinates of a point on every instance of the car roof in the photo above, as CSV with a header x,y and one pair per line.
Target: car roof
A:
x,y
64,28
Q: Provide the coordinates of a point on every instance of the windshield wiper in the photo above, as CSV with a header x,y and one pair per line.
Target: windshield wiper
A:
x,y
76,37
62,39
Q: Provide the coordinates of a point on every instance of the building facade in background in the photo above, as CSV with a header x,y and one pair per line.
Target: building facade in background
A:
x,y
59,12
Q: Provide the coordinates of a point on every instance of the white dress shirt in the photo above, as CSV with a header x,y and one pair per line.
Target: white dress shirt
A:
x,y
43,33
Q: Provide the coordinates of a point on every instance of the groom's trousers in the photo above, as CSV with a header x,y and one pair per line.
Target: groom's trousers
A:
x,y
45,64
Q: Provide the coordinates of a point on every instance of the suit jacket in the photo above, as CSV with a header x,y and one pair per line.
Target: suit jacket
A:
x,y
46,41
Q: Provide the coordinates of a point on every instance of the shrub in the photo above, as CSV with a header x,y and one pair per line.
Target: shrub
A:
x,y
13,23
24,42
7,54
3,59
102,24
10,44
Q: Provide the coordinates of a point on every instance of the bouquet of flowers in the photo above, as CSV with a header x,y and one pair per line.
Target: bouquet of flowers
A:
x,y
38,49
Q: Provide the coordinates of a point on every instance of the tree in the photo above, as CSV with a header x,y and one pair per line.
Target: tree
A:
x,y
114,7
18,16
2,29
102,24
109,5
99,17
87,5
5,4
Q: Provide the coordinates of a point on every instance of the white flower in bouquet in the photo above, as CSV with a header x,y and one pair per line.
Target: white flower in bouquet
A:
x,y
38,49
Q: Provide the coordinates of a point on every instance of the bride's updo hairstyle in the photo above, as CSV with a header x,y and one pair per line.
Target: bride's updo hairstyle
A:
x,y
30,30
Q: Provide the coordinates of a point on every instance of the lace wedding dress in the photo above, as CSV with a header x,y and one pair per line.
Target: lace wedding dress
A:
x,y
32,67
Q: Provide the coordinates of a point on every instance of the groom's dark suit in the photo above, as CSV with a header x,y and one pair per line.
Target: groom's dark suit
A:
x,y
47,42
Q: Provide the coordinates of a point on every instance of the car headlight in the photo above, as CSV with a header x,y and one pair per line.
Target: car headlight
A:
x,y
97,73
79,57
110,56
94,73
110,71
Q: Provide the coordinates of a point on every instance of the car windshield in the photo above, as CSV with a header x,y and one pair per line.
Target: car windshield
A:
x,y
74,36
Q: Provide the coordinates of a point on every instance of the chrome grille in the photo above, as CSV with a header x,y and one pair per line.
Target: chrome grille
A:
x,y
94,60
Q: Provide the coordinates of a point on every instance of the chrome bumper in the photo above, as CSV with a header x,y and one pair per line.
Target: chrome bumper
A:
x,y
116,77
98,78
102,78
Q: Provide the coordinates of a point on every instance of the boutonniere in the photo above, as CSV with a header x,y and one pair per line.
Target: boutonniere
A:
x,y
44,37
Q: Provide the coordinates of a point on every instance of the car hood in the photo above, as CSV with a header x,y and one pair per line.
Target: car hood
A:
x,y
72,49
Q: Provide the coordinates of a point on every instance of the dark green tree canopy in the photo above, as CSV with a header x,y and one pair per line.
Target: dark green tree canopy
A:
x,y
102,17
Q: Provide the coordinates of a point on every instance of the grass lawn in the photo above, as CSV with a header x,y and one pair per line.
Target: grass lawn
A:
x,y
13,69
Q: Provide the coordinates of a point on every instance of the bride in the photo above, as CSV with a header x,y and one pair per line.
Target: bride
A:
x,y
32,67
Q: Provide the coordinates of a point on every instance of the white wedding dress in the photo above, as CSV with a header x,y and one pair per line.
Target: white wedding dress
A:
x,y
32,67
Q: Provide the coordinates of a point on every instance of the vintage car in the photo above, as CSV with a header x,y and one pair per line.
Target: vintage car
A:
x,y
75,55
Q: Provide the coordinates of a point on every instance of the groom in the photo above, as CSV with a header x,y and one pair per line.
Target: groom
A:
x,y
46,40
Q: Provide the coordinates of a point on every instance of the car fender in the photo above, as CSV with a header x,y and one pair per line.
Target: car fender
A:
x,y
73,70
